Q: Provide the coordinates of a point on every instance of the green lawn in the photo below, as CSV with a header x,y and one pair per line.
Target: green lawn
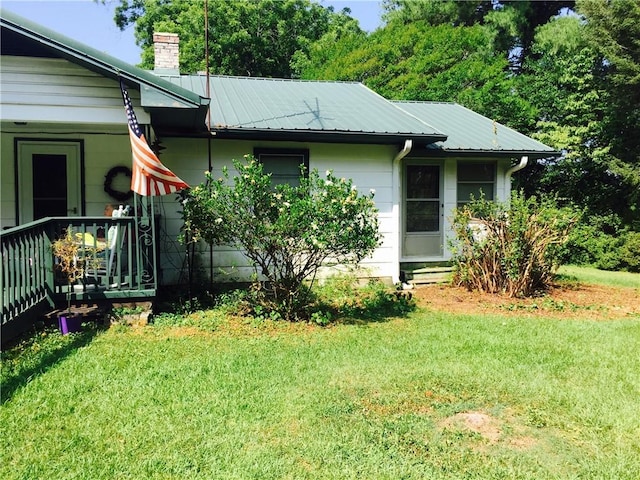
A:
x,y
376,400
602,277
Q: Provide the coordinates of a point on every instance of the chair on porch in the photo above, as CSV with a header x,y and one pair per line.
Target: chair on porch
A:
x,y
108,270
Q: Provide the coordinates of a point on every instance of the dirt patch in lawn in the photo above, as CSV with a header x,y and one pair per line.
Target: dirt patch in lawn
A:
x,y
492,430
485,425
597,302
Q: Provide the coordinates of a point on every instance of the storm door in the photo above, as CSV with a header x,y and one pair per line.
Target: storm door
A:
x,y
49,179
422,232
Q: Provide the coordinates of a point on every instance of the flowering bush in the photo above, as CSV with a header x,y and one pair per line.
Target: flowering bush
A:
x,y
287,232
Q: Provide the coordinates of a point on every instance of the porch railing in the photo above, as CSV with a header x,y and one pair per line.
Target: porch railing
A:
x,y
30,281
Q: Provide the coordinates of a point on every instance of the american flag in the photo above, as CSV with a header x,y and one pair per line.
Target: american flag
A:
x,y
149,177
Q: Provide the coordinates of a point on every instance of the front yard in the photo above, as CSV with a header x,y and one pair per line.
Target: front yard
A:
x,y
497,389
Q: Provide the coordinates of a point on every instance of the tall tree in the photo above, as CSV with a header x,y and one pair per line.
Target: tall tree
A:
x,y
568,83
561,83
613,30
513,21
246,37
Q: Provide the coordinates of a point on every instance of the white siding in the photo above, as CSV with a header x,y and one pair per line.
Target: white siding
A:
x,y
57,91
43,98
369,166
103,149
59,100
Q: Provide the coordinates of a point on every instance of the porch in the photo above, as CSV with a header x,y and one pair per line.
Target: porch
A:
x,y
125,270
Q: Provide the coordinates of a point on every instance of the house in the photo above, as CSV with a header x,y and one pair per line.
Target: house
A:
x,y
64,136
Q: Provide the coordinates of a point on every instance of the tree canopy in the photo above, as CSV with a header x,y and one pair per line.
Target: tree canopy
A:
x,y
252,38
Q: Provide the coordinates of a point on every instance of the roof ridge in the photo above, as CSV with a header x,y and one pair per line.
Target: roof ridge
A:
x,y
274,79
394,103
431,102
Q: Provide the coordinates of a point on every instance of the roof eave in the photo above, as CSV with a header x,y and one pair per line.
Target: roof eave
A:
x,y
532,154
324,136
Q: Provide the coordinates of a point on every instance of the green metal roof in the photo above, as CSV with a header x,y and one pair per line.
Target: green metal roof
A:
x,y
301,109
469,132
155,92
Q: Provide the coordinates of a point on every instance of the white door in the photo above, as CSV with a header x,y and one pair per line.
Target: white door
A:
x,y
422,235
49,179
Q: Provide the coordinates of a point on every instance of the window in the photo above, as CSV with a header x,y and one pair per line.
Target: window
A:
x,y
475,179
422,198
283,164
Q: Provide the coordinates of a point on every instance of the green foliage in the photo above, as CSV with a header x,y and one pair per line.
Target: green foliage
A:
x,y
595,241
630,252
437,13
287,232
612,29
586,114
510,248
342,297
254,38
603,242
512,23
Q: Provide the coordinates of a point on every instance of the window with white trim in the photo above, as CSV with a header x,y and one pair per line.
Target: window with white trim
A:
x,y
283,164
475,179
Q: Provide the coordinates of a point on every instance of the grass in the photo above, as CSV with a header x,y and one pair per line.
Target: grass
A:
x,y
601,277
218,397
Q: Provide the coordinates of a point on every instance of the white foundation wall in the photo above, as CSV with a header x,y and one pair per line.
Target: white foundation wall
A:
x,y
369,166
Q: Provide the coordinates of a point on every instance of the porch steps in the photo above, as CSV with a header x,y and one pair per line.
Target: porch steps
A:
x,y
427,275
89,311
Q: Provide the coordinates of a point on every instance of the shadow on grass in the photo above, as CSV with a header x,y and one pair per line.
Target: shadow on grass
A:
x,y
36,351
377,307
345,304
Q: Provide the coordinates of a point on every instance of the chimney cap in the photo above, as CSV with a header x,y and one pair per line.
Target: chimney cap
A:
x,y
166,37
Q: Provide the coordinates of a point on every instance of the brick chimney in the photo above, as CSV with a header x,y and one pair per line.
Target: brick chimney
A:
x,y
166,51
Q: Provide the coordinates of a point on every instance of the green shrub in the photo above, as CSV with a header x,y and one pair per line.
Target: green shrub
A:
x,y
287,232
595,241
512,248
604,243
630,252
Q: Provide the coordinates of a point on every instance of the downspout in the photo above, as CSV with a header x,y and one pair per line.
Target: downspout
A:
x,y
516,168
397,189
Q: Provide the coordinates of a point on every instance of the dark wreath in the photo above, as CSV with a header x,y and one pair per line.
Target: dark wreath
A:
x,y
108,180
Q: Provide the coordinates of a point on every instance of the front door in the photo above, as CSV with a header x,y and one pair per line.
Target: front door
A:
x,y
422,232
49,179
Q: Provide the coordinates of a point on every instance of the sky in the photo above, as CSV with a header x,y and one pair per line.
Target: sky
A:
x,y
92,23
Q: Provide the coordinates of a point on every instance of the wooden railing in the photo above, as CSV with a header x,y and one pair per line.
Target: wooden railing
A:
x,y
30,281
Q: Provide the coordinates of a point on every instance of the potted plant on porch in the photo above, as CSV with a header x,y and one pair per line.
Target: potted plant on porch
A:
x,y
72,258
